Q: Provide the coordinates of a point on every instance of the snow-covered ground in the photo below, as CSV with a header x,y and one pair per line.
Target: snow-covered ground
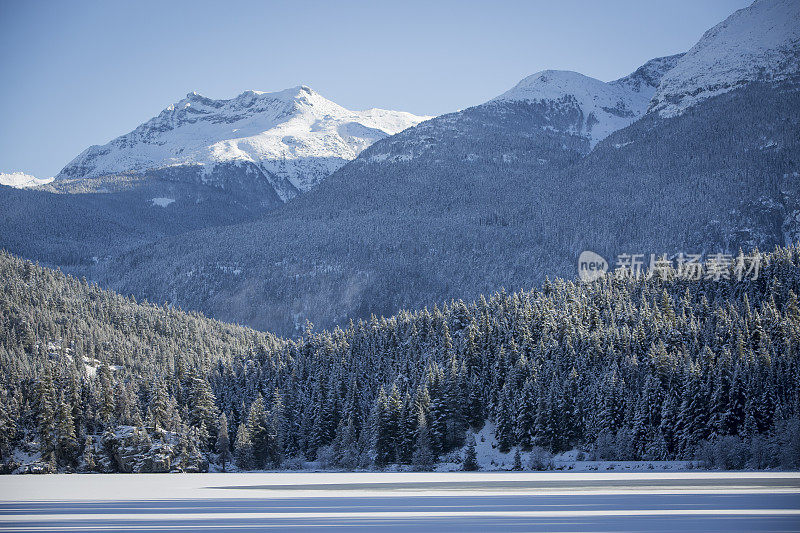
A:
x,y
697,501
162,202
104,487
490,458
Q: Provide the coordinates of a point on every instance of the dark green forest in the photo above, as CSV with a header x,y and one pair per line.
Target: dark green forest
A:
x,y
655,368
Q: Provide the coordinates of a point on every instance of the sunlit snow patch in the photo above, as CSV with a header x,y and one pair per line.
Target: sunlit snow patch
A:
x,y
162,202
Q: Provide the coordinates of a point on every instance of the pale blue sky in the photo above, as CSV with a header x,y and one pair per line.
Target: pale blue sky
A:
x,y
82,73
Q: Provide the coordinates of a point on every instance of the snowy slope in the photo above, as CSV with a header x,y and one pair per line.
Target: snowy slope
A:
x,y
604,107
645,80
758,43
20,180
294,137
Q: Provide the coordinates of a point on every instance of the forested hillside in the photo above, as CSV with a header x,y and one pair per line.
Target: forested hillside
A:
x,y
460,220
657,368
75,224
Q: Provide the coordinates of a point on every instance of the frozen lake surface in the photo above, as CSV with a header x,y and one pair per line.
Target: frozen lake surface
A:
x,y
501,501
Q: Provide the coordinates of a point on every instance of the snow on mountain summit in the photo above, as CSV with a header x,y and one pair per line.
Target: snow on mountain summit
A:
x,y
295,137
604,107
545,119
21,180
758,43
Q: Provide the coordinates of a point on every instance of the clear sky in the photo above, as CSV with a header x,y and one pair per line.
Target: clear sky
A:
x,y
80,73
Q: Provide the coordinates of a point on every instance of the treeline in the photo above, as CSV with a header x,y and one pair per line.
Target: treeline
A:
x,y
659,368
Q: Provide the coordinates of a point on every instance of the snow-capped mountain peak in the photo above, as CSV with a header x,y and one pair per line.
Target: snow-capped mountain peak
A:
x,y
604,107
758,43
21,180
294,137
543,117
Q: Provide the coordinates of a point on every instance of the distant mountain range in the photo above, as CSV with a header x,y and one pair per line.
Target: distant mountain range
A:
x,y
696,152
20,180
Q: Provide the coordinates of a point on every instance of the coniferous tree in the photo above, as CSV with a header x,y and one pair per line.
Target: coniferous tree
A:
x,y
517,460
423,458
258,430
203,410
66,444
346,445
107,396
159,408
243,448
223,441
525,420
88,455
46,417
470,462
277,428
407,430
382,431
504,428
7,431
693,414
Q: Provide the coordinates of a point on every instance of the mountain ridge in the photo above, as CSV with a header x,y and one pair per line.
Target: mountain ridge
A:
x,y
291,139
758,43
